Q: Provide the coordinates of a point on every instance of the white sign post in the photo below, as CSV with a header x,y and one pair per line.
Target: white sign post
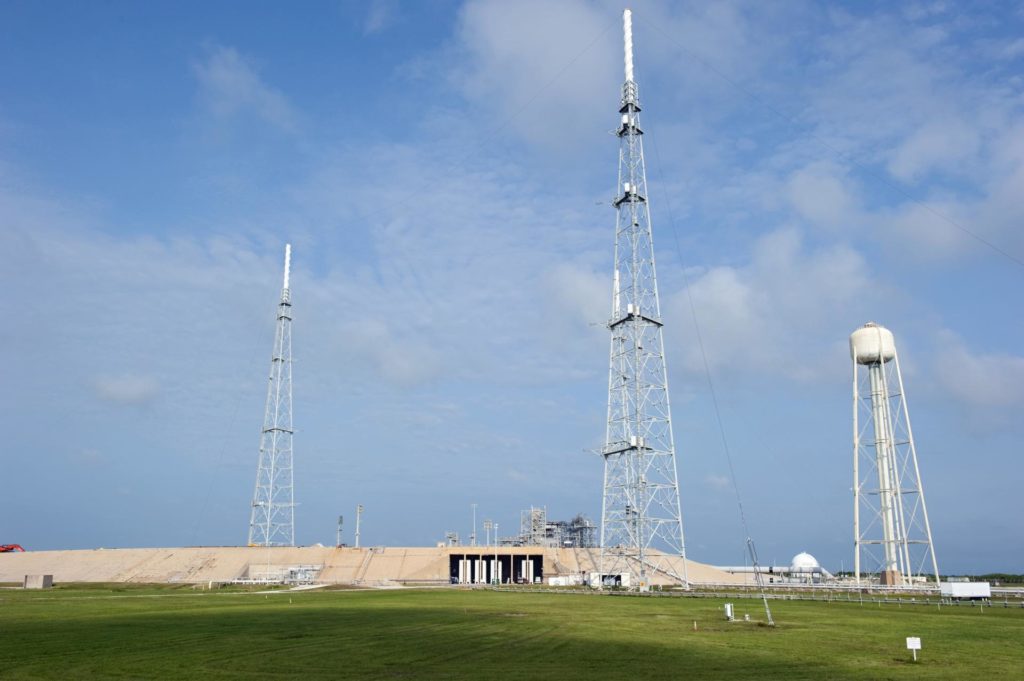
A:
x,y
914,645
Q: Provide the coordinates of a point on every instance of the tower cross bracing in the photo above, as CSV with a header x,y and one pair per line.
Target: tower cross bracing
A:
x,y
641,508
272,520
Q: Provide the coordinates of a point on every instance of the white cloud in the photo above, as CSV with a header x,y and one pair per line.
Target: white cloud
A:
x,y
230,85
463,270
918,11
404,362
577,293
516,475
380,14
127,388
717,482
552,71
979,379
943,145
886,100
922,231
786,312
89,458
820,194
509,53
941,226
1013,49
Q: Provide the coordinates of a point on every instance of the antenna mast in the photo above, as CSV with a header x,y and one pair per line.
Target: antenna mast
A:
x,y
272,522
641,520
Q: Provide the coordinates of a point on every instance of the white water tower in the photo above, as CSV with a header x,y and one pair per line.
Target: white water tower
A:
x,y
890,519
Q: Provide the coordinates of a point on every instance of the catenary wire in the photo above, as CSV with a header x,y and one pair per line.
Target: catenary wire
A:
x,y
710,381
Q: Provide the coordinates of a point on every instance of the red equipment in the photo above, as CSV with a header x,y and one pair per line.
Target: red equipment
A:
x,y
8,548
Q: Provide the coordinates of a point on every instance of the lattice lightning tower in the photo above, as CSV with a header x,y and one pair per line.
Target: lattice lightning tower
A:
x,y
641,510
272,522
891,532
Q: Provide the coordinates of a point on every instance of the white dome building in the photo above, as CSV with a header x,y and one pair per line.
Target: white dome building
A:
x,y
804,562
805,568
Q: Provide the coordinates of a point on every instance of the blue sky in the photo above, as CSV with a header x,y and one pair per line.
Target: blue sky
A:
x,y
444,172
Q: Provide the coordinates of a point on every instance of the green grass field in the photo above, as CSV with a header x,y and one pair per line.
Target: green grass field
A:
x,y
163,632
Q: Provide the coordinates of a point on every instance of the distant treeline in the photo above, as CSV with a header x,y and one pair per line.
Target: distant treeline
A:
x,y
1000,577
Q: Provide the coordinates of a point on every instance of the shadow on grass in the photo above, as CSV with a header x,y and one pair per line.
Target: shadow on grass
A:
x,y
420,636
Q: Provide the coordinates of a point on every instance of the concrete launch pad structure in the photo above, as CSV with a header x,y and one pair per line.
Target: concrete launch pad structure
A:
x,y
378,566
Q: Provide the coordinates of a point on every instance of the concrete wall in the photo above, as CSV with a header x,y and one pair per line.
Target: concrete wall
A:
x,y
37,582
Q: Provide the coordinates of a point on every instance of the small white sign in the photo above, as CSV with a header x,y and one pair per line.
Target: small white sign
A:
x,y
913,643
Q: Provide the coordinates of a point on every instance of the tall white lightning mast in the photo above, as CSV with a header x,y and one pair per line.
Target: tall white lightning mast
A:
x,y
890,519
272,521
641,520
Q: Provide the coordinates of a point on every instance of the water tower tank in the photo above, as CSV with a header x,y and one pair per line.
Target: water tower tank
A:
x,y
871,344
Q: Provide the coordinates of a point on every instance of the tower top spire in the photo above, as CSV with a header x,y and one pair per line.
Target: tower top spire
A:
x,y
627,33
287,264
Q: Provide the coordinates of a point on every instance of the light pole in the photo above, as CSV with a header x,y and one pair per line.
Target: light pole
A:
x,y
487,540
497,578
472,537
359,517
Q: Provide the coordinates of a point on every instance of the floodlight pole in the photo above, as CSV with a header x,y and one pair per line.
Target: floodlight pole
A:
x,y
359,518
472,537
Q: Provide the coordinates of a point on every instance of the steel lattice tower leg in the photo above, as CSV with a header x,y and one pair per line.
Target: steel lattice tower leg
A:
x,y
641,509
272,522
894,533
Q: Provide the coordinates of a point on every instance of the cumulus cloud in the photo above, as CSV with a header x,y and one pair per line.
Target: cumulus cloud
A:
x,y
944,225
821,194
230,85
514,50
779,313
577,293
940,144
923,230
979,379
890,107
552,71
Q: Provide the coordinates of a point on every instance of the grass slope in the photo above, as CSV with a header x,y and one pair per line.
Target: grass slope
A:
x,y
451,634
